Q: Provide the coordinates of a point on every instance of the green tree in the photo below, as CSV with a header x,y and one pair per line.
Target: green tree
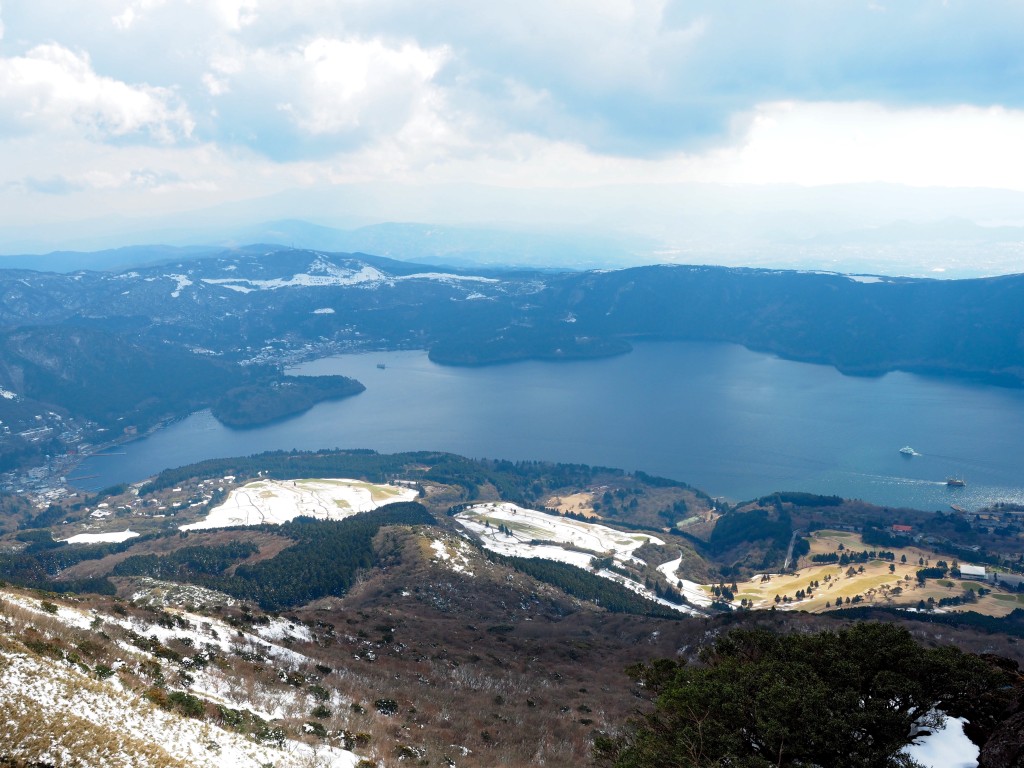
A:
x,y
759,699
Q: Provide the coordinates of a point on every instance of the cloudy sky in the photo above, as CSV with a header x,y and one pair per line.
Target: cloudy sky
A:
x,y
135,108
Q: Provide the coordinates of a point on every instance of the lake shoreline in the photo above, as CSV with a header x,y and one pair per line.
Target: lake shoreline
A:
x,y
736,423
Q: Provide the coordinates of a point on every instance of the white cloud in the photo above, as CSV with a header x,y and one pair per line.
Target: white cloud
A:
x,y
229,14
322,96
848,143
808,144
52,89
345,84
235,14
99,96
133,11
125,19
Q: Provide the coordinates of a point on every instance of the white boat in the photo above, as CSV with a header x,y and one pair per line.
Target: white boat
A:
x,y
906,450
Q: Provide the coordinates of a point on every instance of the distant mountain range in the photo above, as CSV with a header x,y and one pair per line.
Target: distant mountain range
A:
x,y
869,228
470,247
110,346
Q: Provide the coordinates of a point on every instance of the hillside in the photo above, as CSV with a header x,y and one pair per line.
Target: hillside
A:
x,y
398,631
491,620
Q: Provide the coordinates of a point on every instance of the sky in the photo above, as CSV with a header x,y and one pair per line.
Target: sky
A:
x,y
127,109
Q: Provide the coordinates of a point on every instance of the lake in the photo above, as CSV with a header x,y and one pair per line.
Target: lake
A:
x,y
736,423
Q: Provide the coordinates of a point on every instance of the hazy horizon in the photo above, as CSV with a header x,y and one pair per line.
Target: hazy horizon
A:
x,y
842,136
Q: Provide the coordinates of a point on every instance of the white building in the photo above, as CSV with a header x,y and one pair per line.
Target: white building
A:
x,y
973,572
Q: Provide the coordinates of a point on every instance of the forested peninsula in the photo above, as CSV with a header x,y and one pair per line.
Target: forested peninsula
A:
x,y
257,404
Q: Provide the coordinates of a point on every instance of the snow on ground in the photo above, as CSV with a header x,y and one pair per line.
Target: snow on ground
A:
x,y
946,747
669,569
454,554
640,589
695,593
208,632
71,617
528,525
280,629
278,501
332,276
97,538
691,590
445,277
182,281
164,594
538,534
203,633
323,273
97,722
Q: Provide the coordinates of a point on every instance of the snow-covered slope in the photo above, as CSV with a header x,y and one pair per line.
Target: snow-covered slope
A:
x,y
509,529
82,687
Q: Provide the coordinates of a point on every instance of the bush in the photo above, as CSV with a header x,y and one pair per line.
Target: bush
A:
x,y
317,729
386,706
103,671
186,703
319,692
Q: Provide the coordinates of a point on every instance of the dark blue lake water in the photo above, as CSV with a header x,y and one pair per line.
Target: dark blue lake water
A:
x,y
735,423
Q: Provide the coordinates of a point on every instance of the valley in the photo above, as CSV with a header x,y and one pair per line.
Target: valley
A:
x,y
351,607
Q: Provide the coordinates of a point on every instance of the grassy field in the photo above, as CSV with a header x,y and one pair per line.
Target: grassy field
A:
x,y
876,584
578,503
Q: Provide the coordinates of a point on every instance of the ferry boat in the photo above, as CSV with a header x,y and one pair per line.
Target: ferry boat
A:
x,y
956,482
906,450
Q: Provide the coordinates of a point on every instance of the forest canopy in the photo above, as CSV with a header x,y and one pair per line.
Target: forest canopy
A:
x,y
756,699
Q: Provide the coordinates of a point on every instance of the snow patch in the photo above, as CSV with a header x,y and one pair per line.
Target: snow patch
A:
x,y
946,747
332,276
71,617
323,273
278,501
459,561
528,525
447,278
182,281
279,629
65,702
691,590
115,537
528,533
